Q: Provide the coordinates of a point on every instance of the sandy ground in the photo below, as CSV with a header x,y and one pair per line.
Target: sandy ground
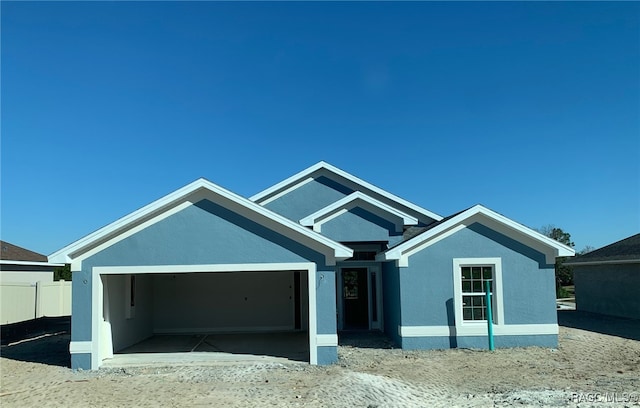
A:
x,y
588,369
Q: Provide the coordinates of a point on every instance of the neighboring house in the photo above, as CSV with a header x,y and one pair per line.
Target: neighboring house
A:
x,y
321,252
607,279
20,265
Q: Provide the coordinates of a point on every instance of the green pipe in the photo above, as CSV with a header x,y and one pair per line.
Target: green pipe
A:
x,y
487,291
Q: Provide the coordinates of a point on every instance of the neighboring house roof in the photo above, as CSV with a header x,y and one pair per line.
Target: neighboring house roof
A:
x,y
325,169
624,251
448,226
357,199
16,253
187,195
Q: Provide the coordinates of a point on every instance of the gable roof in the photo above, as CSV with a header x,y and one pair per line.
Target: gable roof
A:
x,y
325,169
624,251
190,194
357,199
447,226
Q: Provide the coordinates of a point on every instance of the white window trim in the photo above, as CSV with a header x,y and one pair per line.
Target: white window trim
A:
x,y
497,299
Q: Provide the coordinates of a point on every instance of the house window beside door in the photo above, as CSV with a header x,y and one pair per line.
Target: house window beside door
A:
x,y
474,280
469,277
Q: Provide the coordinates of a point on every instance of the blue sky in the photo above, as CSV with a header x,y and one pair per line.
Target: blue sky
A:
x,y
531,109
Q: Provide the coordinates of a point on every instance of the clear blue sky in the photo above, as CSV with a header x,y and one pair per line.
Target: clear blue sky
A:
x,y
531,109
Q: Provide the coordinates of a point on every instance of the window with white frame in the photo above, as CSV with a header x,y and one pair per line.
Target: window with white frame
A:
x,y
470,276
473,279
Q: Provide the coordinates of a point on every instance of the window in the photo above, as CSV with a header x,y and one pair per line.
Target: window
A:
x,y
469,277
473,291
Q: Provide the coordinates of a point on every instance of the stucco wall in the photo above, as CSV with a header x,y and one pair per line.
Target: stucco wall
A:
x,y
326,301
358,225
426,286
308,198
10,273
608,289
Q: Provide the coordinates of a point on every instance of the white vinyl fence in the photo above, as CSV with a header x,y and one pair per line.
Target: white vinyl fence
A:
x,y
26,301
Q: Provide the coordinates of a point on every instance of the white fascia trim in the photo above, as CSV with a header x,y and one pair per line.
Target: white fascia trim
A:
x,y
612,262
180,199
479,329
323,340
29,263
80,347
356,199
465,218
293,182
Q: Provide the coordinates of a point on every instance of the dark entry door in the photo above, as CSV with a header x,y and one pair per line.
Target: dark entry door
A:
x,y
355,297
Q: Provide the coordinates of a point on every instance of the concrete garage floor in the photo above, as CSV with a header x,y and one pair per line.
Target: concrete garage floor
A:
x,y
213,349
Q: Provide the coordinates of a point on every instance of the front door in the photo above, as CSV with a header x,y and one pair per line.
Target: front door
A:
x,y
355,298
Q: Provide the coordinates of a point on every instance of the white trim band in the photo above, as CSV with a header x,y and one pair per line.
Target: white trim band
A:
x,y
80,347
323,340
479,329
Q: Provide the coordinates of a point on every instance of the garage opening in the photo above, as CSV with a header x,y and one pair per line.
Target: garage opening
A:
x,y
208,315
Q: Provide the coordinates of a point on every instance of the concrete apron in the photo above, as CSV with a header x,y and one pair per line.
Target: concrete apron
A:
x,y
213,349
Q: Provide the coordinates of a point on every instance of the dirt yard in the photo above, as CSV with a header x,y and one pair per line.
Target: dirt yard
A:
x,y
596,364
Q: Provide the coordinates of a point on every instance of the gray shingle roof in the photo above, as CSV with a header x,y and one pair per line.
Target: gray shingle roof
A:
x,y
10,252
414,231
624,250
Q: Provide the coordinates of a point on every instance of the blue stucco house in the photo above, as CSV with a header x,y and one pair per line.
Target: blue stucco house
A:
x,y
319,253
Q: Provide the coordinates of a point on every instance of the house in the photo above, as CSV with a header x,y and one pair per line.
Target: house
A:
x,y
318,253
607,279
20,265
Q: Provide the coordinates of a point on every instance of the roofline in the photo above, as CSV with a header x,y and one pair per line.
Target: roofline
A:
x,y
120,225
603,262
29,263
264,194
397,252
310,220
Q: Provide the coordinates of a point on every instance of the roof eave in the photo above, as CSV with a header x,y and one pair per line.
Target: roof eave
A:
x,y
304,174
70,252
397,253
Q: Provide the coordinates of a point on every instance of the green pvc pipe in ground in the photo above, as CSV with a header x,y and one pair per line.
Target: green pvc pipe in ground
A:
x,y
487,291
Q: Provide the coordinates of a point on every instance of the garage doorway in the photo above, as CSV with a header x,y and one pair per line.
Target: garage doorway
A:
x,y
207,310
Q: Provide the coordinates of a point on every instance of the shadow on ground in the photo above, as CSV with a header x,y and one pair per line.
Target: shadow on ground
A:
x,y
365,339
45,341
611,325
